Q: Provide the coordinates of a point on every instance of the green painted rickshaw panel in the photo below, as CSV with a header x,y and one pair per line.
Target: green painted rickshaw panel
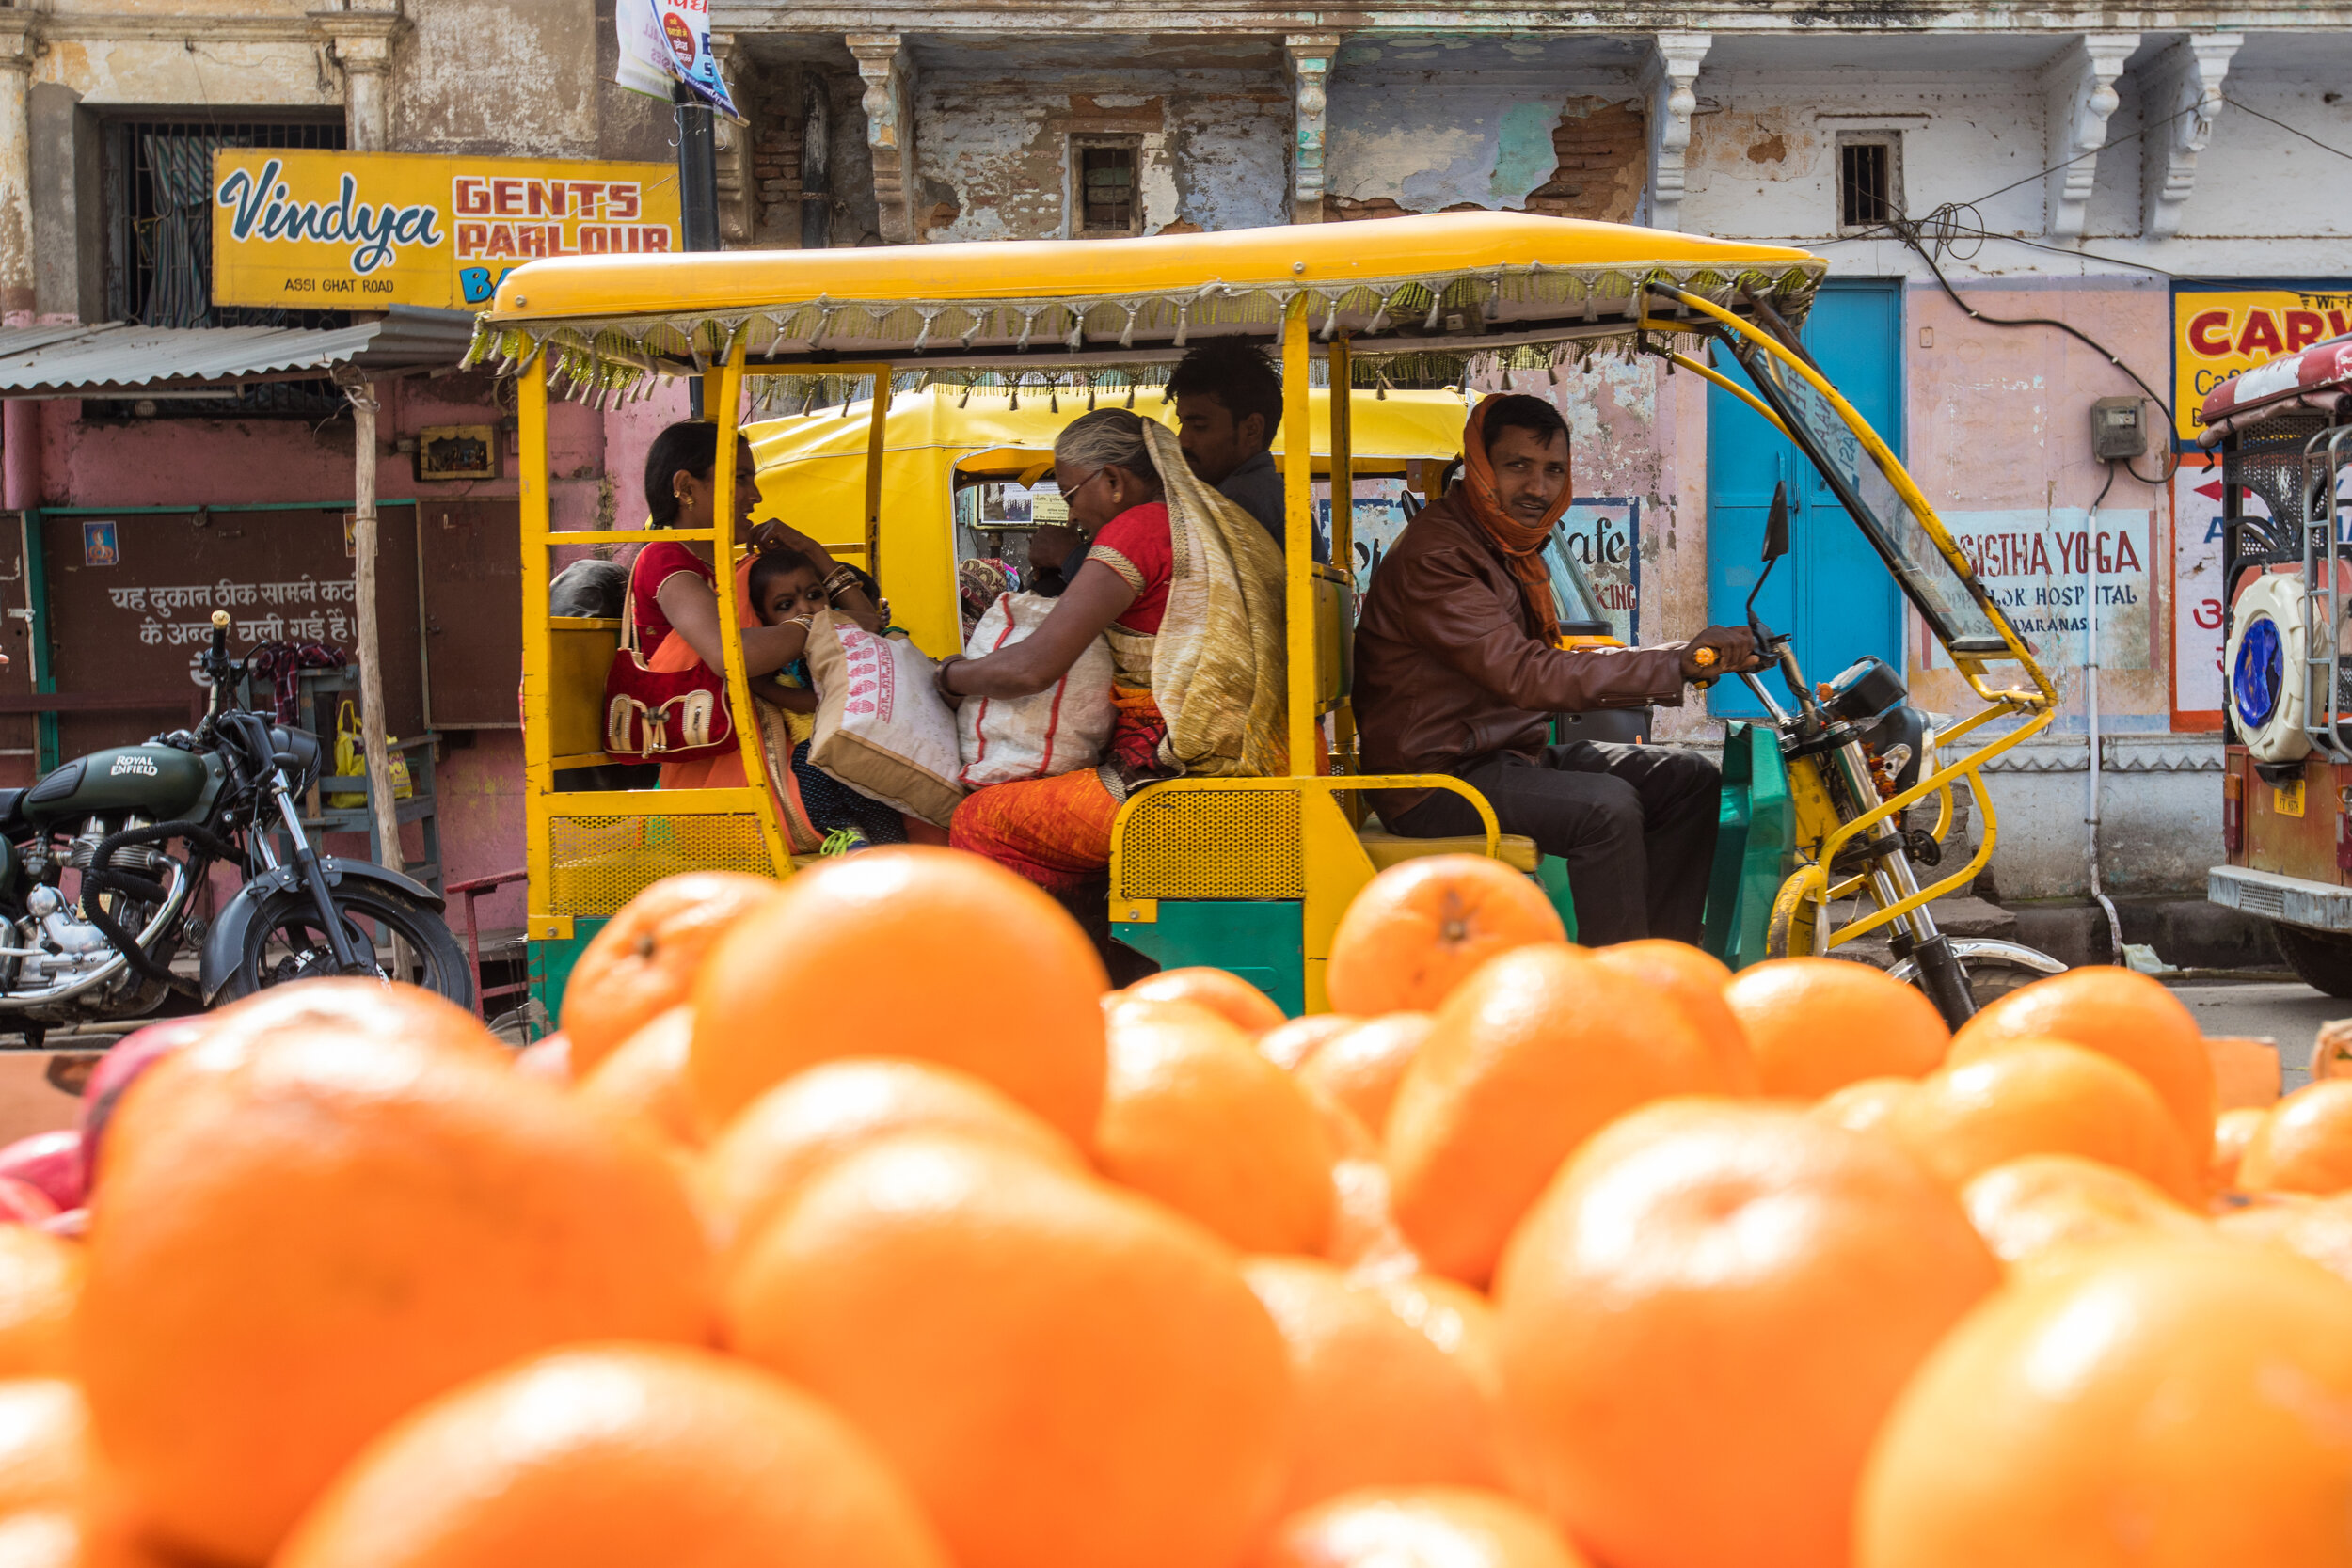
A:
x,y
550,966
1553,872
1262,939
1755,843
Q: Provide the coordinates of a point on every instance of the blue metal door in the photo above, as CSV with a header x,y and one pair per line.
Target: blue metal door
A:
x,y
1831,590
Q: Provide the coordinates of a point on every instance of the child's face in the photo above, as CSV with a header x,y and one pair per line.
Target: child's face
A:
x,y
793,594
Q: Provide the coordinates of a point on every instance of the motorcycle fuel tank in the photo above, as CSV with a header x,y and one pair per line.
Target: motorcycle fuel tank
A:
x,y
156,781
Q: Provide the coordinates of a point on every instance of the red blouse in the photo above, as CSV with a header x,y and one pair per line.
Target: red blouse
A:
x,y
1137,544
656,564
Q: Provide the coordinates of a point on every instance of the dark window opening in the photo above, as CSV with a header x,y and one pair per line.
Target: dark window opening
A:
x,y
1106,188
159,270
1867,189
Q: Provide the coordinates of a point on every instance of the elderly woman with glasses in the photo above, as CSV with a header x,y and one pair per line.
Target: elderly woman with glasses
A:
x,y
1057,831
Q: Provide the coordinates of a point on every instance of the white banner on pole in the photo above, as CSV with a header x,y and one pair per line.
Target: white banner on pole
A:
x,y
669,41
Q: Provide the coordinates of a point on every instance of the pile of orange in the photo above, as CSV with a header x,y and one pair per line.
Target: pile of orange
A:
x,y
852,1221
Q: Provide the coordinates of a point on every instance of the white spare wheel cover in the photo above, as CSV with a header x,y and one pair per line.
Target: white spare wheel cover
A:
x,y
2263,667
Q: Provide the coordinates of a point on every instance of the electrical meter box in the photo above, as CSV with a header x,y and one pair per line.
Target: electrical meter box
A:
x,y
2118,429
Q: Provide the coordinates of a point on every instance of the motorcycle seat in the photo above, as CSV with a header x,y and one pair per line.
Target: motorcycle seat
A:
x,y
11,807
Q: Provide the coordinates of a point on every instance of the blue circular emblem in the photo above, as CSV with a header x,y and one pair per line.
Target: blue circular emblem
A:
x,y
2260,673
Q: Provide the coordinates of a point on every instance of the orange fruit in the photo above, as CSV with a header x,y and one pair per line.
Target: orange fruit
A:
x,y
1195,1118
1293,1043
613,1456
1525,1061
1361,1068
1703,1322
906,951
1696,980
646,1078
1451,1316
813,1118
40,1279
1418,1527
364,1009
1863,1104
1819,1025
1067,1375
302,1236
2041,1211
643,961
549,1058
2318,1228
2304,1145
2232,1131
2166,1403
1240,1003
2042,1096
2116,1013
1349,1138
1364,1236
1378,1402
1419,928
45,1455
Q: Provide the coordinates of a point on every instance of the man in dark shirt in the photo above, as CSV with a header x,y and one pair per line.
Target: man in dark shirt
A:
x,y
1458,671
1229,403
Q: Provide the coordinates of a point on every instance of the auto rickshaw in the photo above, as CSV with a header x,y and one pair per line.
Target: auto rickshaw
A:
x,y
1252,874
2284,434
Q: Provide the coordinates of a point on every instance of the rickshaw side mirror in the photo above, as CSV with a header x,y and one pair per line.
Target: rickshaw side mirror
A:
x,y
1776,525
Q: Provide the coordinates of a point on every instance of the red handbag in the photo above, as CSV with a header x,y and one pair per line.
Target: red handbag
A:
x,y
661,716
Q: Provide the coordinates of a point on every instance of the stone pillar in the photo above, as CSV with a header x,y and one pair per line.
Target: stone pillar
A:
x,y
889,75
2184,80
731,146
1668,83
2079,88
1311,74
362,44
16,166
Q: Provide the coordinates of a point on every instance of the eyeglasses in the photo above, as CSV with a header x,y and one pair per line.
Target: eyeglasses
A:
x,y
1084,483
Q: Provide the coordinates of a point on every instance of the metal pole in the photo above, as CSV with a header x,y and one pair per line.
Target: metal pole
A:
x,y
698,192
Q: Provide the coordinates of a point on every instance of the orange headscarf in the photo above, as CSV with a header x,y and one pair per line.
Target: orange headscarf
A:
x,y
1521,543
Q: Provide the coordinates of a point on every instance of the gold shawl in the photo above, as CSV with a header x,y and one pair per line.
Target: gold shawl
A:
x,y
1218,662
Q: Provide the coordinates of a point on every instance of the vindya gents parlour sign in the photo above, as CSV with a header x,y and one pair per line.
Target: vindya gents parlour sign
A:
x,y
322,230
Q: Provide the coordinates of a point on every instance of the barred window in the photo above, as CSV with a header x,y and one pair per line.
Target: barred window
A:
x,y
1105,173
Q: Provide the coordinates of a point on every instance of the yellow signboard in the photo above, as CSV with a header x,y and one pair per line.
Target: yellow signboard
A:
x,y
2219,330
326,231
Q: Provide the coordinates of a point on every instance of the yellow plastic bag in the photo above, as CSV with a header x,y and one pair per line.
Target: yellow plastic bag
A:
x,y
351,757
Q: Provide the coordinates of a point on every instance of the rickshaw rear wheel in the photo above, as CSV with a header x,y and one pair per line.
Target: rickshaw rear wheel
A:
x,y
2321,959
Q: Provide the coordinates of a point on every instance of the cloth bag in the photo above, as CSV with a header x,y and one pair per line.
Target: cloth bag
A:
x,y
1058,730
351,758
881,728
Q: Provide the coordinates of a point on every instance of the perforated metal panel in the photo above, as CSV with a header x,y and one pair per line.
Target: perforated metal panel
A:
x,y
601,863
1212,843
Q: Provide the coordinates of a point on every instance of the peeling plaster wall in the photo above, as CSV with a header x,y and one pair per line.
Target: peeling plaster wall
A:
x,y
445,100
992,150
198,70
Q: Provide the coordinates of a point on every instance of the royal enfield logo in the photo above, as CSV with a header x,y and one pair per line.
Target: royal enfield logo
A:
x,y
132,763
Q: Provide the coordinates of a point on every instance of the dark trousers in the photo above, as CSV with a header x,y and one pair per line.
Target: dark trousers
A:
x,y
1636,825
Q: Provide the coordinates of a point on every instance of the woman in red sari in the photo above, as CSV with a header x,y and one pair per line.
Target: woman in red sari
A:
x,y
1057,831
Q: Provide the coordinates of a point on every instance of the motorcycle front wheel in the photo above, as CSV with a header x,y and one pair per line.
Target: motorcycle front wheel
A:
x,y
287,941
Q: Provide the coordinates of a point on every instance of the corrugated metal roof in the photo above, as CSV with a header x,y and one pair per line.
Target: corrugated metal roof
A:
x,y
117,358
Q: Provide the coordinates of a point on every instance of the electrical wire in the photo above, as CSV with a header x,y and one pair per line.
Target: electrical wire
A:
x,y
2284,126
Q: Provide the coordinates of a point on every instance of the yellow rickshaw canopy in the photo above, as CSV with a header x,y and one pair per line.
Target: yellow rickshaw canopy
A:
x,y
1443,289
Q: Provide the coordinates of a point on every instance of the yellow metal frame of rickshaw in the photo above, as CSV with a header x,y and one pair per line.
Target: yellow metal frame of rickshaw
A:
x,y
607,324
1800,916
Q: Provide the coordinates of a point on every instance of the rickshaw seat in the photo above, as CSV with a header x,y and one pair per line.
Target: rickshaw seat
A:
x,y
1386,848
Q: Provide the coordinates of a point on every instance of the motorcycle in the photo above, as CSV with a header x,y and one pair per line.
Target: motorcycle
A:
x,y
142,827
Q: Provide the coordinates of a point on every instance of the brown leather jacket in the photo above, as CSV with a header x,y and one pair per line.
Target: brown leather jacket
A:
x,y
1449,669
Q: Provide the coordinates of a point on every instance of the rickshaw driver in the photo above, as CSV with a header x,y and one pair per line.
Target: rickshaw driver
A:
x,y
1458,671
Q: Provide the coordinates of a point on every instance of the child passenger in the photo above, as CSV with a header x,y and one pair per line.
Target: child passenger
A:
x,y
786,587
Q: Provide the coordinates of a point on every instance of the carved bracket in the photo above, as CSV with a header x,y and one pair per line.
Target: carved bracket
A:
x,y
2185,81
1311,55
889,74
2079,87
361,41
1669,80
